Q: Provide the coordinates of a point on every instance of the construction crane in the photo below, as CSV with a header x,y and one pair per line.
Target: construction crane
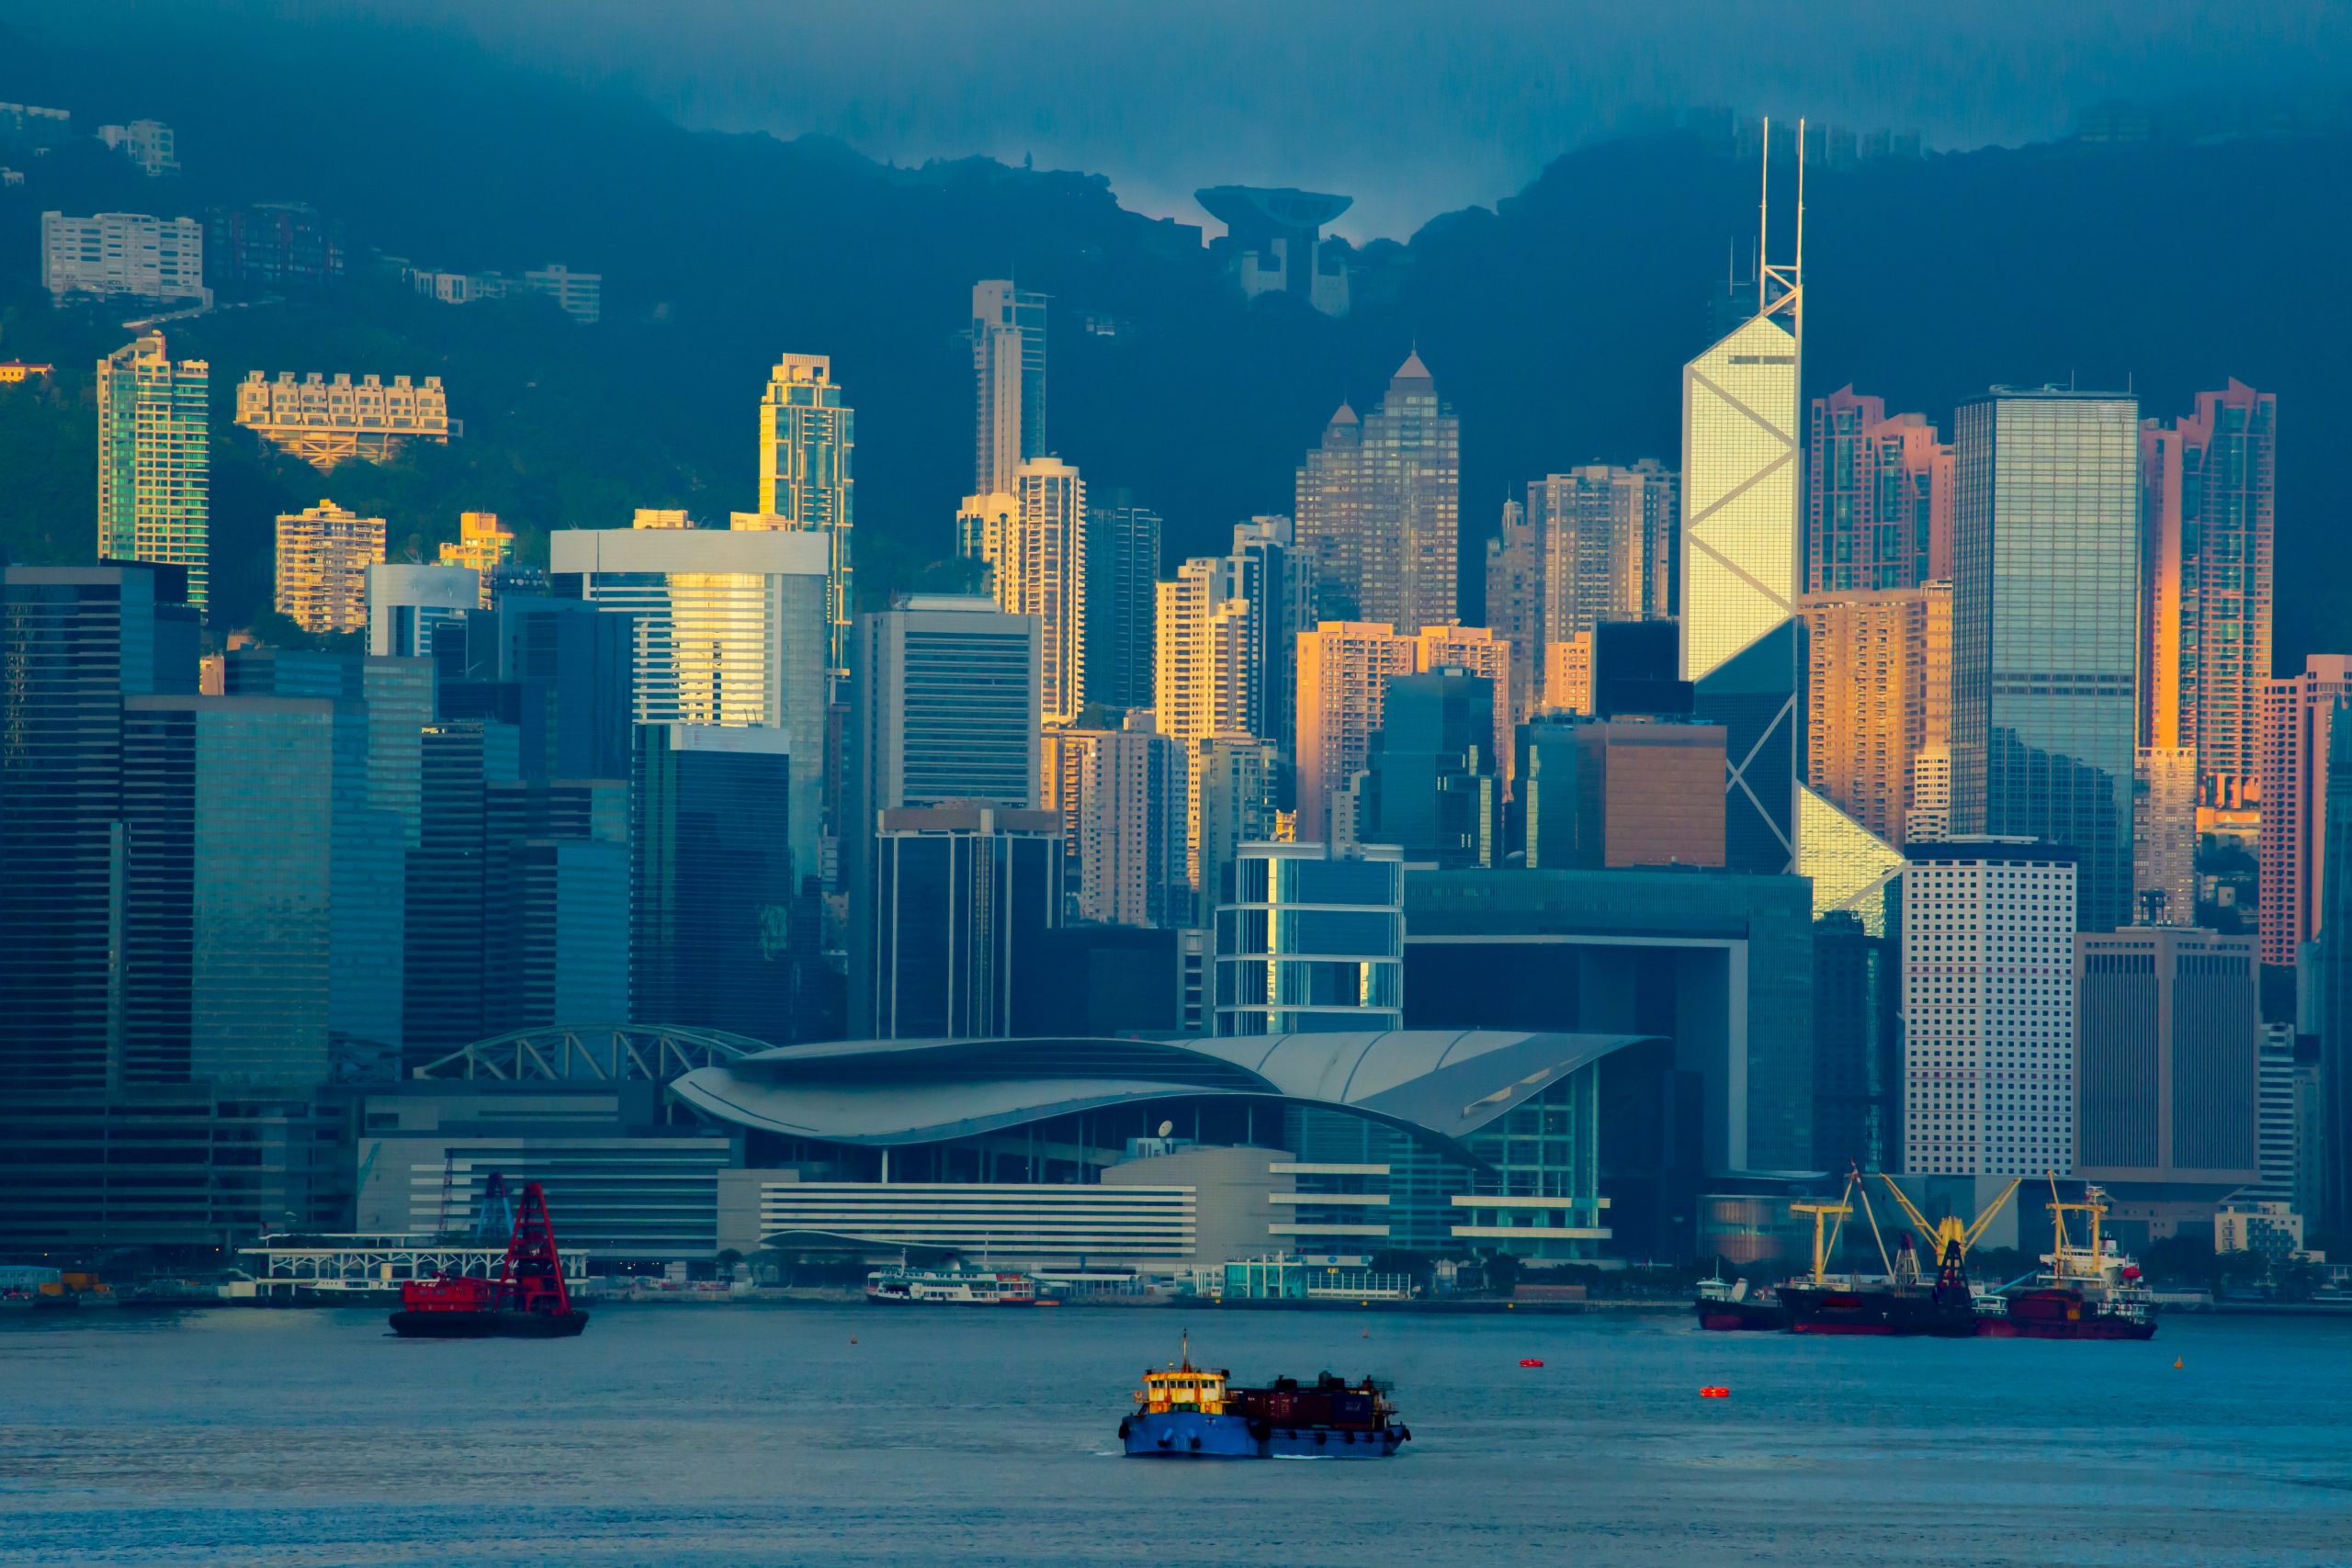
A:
x,y
1947,1238
1821,1243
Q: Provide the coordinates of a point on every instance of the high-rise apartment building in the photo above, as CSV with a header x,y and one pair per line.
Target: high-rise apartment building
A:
x,y
1870,703
1378,507
123,255
807,438
1233,799
1649,793
155,461
1311,939
2164,837
2208,497
324,553
2046,630
2167,1052
1568,675
327,422
2298,722
1515,604
731,628
1121,794
1044,574
1605,536
1879,503
1740,546
1344,668
1208,654
1122,571
1007,337
1988,1009
482,547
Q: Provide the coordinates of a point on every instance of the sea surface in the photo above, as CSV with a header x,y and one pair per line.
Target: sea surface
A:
x,y
841,1435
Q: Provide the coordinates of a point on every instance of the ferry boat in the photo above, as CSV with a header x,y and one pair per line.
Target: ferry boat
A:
x,y
1725,1307
527,1300
2086,1290
1189,1411
952,1287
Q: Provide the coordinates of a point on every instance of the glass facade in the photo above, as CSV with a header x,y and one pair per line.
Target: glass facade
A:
x,y
2045,624
155,461
1309,943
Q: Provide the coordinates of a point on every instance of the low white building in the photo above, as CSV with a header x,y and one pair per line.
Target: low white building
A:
x,y
123,254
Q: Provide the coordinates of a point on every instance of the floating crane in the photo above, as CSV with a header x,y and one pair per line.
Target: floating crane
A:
x,y
1947,1238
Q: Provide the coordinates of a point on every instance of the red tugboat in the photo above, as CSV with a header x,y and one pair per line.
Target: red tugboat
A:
x,y
2089,1291
527,1300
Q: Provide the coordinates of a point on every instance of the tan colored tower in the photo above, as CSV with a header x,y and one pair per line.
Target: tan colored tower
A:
x,y
1872,704
324,553
1204,654
1344,668
481,546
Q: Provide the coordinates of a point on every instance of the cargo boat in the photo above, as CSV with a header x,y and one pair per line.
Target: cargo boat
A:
x,y
1723,1306
1189,1411
952,1287
2089,1290
527,1300
1905,1303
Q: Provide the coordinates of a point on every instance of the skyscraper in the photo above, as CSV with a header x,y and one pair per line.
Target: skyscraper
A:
x,y
1344,668
1435,787
1605,535
2298,715
1378,507
1122,567
2166,1058
155,461
2046,628
1879,504
324,553
1266,567
807,438
1121,794
731,628
1988,1009
2333,986
1045,574
958,924
1207,654
1646,793
1233,799
1007,337
1480,652
1515,603
1870,704
2208,486
1311,939
1740,544
77,643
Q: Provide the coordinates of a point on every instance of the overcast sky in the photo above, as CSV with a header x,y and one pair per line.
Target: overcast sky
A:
x,y
1412,107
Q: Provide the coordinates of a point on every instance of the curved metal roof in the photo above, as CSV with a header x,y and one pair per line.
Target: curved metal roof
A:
x,y
1440,1086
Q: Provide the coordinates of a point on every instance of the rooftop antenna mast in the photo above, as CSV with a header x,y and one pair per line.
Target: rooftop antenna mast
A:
x,y
1781,287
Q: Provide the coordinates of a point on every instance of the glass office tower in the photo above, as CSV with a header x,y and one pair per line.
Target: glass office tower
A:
x,y
2044,621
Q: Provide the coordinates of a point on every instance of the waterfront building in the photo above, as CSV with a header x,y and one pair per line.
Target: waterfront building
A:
x,y
1988,1007
1274,242
713,877
2164,837
1740,544
1233,798
1344,668
131,255
1311,940
324,553
1121,794
1879,499
1515,604
1122,573
408,604
2208,494
731,630
274,243
149,143
483,547
2045,629
1378,507
1434,787
2167,1051
954,925
807,436
1871,702
226,923
79,642
1717,964
1649,792
155,461
326,421
2298,725
1606,539
1856,1051
1008,338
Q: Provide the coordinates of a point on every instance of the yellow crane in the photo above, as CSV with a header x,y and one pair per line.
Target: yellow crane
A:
x,y
1822,1243
1948,1240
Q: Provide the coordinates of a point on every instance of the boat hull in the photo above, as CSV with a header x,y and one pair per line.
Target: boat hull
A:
x,y
1880,1313
488,1325
2063,1315
1741,1318
1187,1434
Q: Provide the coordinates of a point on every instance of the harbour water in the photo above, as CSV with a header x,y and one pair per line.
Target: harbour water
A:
x,y
974,1436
